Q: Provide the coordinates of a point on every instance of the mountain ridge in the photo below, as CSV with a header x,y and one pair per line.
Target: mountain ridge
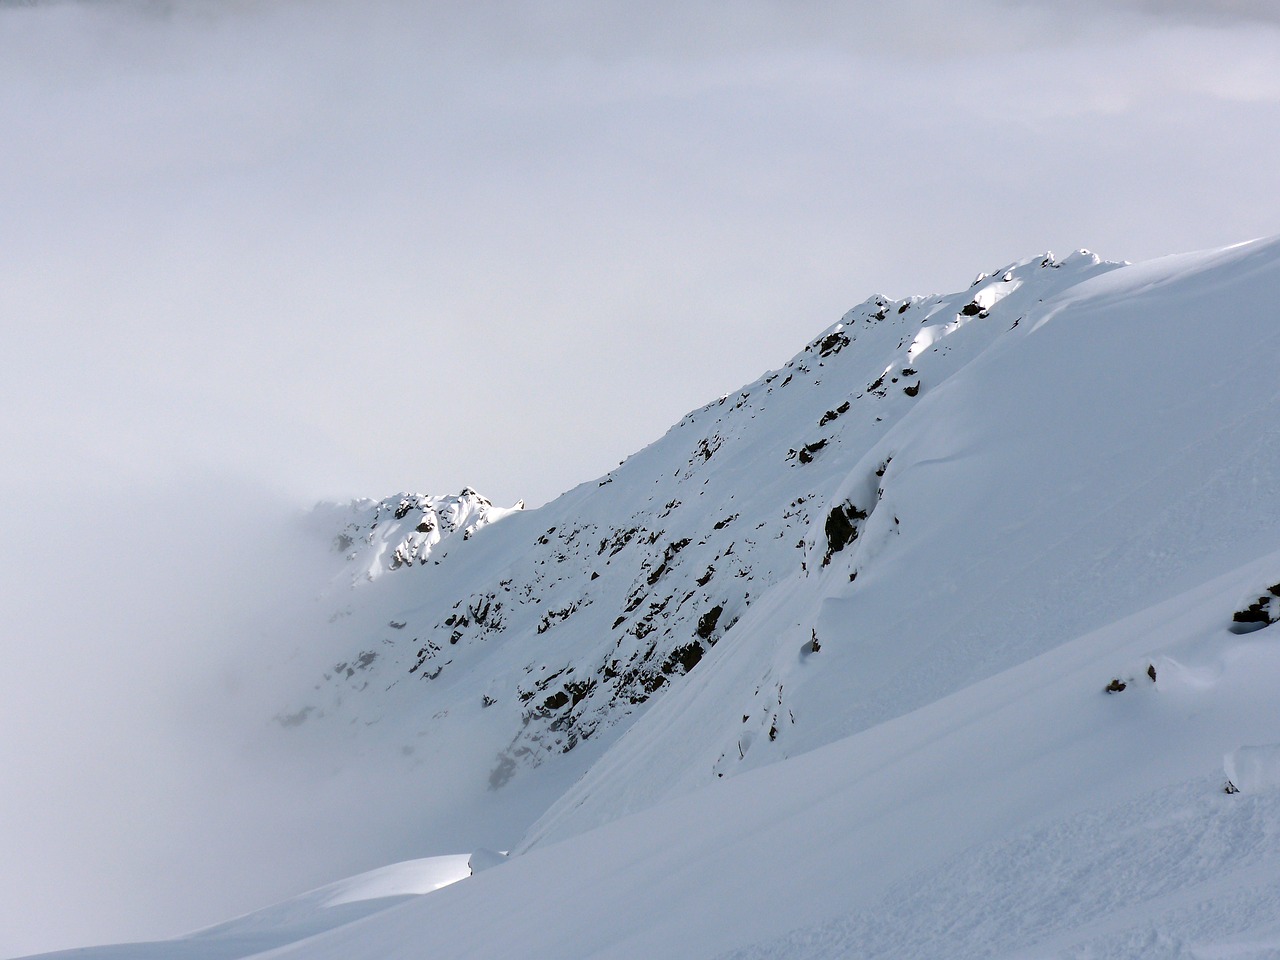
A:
x,y
980,587
660,557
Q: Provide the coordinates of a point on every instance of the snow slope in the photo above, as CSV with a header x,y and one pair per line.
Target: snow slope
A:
x,y
823,672
536,642
1031,814
300,917
1109,452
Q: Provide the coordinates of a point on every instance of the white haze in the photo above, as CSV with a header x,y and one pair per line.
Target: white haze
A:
x,y
258,253
150,639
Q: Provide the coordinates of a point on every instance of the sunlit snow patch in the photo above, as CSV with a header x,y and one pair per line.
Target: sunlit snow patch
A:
x,y
345,900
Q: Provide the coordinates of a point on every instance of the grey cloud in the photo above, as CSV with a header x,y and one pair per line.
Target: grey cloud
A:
x,y
1201,12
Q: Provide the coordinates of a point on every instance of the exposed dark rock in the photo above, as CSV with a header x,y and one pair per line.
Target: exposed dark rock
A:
x,y
1261,613
833,414
667,556
1115,686
809,449
832,343
707,622
1254,614
556,700
708,447
841,528
552,617
686,657
578,690
621,539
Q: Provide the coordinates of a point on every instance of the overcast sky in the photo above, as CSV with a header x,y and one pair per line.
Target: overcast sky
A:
x,y
258,253
350,247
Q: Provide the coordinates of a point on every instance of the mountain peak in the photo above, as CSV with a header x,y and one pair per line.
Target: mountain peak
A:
x,y
377,536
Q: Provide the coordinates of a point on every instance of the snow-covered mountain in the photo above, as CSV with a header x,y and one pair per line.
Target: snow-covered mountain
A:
x,y
375,536
568,622
947,638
